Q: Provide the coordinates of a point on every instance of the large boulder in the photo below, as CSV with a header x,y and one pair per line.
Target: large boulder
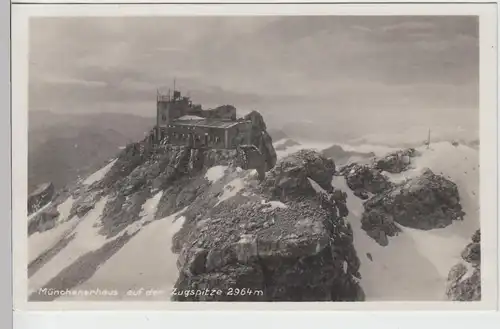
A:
x,y
425,202
291,174
252,247
395,162
41,196
464,279
365,180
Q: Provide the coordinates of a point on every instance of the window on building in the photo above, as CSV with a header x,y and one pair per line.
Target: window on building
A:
x,y
164,117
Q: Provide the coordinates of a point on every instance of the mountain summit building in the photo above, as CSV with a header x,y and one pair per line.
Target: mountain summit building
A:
x,y
179,122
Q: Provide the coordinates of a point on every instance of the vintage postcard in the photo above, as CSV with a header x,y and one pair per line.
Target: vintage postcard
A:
x,y
167,156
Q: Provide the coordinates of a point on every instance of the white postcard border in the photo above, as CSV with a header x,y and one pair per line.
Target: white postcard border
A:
x,y
488,135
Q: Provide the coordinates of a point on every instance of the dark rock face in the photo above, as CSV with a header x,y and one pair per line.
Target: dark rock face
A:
x,y
261,139
363,179
379,225
250,157
425,202
396,162
84,203
251,249
41,196
142,169
45,220
290,175
464,282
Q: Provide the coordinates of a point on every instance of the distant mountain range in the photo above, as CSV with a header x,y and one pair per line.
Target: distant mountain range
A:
x,y
62,147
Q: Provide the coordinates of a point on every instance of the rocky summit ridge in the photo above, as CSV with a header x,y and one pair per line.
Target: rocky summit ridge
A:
x,y
291,244
263,228
277,227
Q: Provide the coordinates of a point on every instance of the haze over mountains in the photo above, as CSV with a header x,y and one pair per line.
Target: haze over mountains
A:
x,y
347,75
335,79
62,147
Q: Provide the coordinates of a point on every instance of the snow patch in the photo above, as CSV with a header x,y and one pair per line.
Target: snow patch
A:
x,y
146,261
98,175
236,185
147,214
33,215
378,150
415,264
460,164
316,186
40,242
215,173
87,239
65,208
231,189
273,205
470,271
177,224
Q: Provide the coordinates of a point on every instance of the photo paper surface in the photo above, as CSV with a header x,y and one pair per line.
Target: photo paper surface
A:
x,y
258,159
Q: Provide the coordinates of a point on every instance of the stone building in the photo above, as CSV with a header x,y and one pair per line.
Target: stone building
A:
x,y
179,122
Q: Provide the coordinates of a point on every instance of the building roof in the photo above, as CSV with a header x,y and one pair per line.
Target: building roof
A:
x,y
207,123
190,117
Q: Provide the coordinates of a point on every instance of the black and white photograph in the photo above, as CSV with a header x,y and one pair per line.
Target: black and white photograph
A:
x,y
272,158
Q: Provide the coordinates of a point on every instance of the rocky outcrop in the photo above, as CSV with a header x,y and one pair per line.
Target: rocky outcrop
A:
x,y
257,247
42,195
279,235
274,235
464,279
142,170
426,202
290,175
250,157
368,179
42,221
395,162
261,139
365,180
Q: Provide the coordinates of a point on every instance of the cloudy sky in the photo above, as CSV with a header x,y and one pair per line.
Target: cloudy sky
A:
x,y
329,68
